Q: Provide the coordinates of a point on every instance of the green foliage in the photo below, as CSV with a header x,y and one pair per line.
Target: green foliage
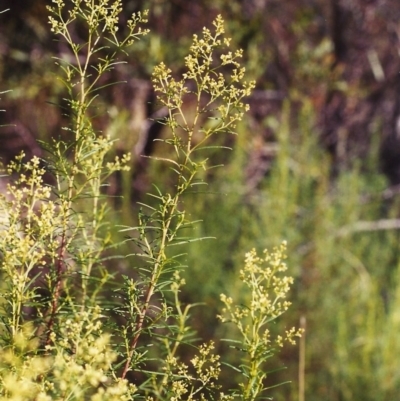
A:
x,y
279,182
268,293
342,233
72,328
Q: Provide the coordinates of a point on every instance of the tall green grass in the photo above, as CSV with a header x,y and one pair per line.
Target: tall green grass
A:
x,y
343,242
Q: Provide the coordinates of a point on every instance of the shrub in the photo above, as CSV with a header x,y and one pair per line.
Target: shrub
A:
x,y
74,328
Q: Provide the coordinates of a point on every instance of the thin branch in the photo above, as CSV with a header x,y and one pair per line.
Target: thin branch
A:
x,y
362,226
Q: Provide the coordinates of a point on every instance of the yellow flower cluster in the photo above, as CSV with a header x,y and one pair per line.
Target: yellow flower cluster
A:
x,y
193,382
266,289
79,368
101,16
214,77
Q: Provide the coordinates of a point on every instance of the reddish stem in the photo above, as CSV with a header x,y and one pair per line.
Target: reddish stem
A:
x,y
138,329
58,287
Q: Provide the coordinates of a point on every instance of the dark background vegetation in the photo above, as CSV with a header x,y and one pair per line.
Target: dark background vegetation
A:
x,y
316,162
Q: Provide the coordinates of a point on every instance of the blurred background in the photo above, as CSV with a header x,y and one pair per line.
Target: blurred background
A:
x,y
316,162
